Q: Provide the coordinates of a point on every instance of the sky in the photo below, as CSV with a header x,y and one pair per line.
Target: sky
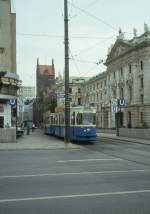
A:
x,y
93,27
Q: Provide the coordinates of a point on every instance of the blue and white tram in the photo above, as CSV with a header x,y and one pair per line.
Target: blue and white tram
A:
x,y
82,124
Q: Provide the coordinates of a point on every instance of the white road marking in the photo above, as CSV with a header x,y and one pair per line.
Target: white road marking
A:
x,y
83,160
75,196
74,173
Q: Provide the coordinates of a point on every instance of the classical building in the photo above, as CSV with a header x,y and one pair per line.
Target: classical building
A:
x,y
9,80
126,79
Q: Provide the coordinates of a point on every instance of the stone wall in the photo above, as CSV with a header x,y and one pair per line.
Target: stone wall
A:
x,y
7,135
135,133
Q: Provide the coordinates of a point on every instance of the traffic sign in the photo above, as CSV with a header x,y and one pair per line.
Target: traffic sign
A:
x,y
114,105
12,102
121,102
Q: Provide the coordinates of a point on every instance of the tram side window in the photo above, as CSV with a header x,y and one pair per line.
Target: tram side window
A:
x,y
52,120
79,119
73,119
56,120
61,119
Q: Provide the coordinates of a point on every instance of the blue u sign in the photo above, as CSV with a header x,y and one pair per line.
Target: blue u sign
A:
x,y
121,102
12,102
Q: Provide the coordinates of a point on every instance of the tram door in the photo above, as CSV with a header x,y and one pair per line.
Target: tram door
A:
x,y
1,122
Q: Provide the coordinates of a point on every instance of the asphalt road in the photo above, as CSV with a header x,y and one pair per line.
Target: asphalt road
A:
x,y
106,177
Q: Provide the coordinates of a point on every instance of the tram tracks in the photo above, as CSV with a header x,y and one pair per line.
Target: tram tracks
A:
x,y
129,151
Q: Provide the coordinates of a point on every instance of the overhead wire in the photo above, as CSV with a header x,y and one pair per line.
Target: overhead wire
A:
x,y
76,66
89,5
93,16
92,47
59,36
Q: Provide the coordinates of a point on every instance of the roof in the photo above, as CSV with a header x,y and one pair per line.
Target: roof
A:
x,y
46,70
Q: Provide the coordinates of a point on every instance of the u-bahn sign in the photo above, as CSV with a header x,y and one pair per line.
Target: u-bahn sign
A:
x,y
114,105
12,102
121,102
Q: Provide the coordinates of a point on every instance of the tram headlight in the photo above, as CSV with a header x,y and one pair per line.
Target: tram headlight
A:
x,y
88,129
84,130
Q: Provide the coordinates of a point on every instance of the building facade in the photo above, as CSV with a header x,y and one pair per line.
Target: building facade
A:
x,y
75,91
45,81
9,80
126,79
27,92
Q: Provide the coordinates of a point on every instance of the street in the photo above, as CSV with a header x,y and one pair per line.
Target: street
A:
x,y
107,176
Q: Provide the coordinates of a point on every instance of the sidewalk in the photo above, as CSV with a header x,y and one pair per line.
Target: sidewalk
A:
x,y
133,140
37,140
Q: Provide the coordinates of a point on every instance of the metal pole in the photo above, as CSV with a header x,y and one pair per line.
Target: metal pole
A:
x,y
67,101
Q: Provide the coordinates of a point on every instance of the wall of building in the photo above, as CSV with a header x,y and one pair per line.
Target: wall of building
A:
x,y
8,135
127,76
7,37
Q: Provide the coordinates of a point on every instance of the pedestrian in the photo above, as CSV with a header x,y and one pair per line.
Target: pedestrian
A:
x,y
33,127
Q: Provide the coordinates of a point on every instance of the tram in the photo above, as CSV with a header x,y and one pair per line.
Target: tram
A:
x,y
82,124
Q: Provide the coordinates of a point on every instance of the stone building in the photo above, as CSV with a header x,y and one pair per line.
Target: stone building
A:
x,y
127,78
95,93
75,91
45,80
9,80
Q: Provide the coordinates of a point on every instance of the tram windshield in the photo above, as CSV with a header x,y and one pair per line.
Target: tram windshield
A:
x,y
88,119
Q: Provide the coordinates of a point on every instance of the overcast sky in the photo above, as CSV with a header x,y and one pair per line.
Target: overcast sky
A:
x,y
93,27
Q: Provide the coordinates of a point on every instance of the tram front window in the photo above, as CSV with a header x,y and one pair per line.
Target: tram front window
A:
x,y
88,119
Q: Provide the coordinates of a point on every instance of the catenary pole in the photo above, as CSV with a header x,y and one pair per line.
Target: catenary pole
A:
x,y
67,101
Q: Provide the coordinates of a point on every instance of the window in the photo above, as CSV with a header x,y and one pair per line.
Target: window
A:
x,y
73,119
130,93
70,90
2,50
142,98
79,90
101,96
121,71
141,117
141,65
115,93
114,75
79,101
121,93
1,108
130,68
142,82
79,119
105,82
